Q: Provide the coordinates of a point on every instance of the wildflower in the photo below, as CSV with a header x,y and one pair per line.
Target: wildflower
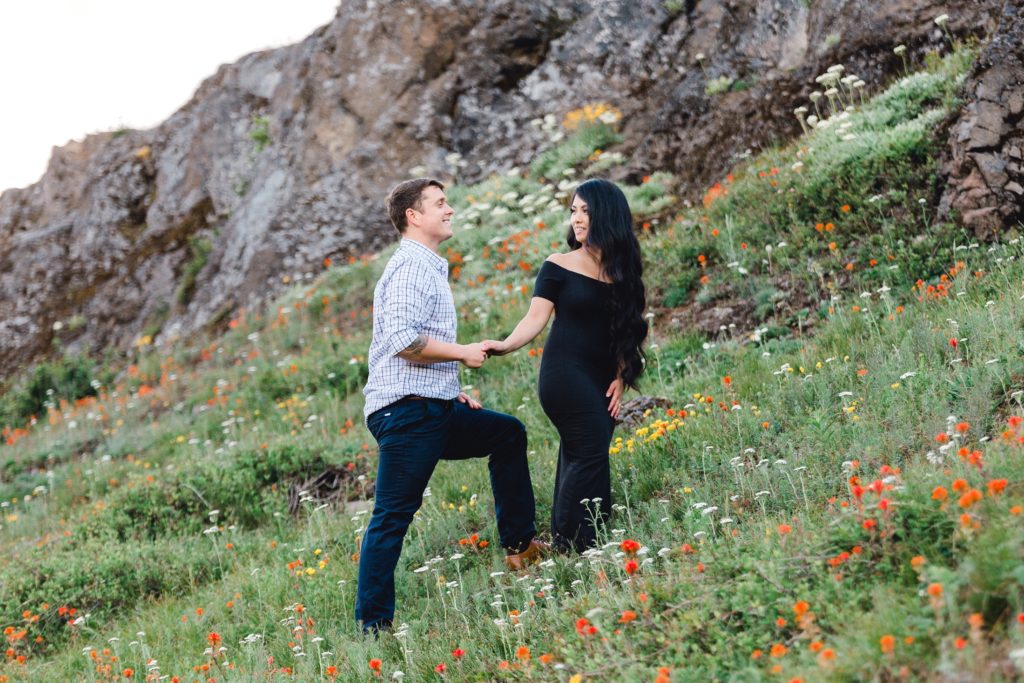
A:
x,y
627,616
784,529
778,650
935,590
375,665
629,546
458,652
440,668
962,427
953,342
996,486
941,20
631,567
887,643
970,498
917,561
960,643
523,653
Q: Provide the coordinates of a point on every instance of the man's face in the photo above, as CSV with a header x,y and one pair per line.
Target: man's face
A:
x,y
433,219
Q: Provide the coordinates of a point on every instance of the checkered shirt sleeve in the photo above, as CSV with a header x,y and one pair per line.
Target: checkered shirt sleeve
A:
x,y
412,298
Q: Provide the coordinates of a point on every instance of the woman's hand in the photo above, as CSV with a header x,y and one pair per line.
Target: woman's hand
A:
x,y
615,391
495,348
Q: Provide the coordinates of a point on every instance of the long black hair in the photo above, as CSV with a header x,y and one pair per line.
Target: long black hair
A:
x,y
611,234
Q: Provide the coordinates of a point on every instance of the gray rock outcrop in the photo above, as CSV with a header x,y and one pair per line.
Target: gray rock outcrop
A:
x,y
985,187
283,158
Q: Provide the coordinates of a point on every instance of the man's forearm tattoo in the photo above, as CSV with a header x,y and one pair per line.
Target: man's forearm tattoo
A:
x,y
417,346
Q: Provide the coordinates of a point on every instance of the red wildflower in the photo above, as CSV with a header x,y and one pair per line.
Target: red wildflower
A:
x,y
629,546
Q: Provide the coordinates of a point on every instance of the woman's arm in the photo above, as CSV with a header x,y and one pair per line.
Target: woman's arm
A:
x,y
535,320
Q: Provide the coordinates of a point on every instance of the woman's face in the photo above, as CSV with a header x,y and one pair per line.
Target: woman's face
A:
x,y
579,219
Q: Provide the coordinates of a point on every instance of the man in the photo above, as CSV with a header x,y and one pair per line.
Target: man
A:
x,y
416,411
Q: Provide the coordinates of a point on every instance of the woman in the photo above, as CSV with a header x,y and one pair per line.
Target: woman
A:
x,y
592,354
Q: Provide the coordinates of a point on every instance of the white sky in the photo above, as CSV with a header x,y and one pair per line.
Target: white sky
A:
x,y
73,67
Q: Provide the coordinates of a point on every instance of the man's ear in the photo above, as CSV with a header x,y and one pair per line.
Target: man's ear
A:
x,y
410,213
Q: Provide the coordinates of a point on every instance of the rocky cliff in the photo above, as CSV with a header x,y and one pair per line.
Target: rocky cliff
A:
x,y
985,181
283,158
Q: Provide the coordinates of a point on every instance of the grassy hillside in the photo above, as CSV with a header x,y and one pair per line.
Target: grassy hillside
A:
x,y
831,490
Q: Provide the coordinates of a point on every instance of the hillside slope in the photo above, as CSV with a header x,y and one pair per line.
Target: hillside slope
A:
x,y
831,490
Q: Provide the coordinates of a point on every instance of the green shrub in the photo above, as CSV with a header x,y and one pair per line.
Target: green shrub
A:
x,y
199,248
574,150
68,378
100,579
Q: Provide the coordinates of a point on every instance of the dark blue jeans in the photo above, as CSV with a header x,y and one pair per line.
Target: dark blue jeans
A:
x,y
412,436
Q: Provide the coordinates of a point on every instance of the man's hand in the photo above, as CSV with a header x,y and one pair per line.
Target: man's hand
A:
x,y
614,392
494,348
469,401
473,355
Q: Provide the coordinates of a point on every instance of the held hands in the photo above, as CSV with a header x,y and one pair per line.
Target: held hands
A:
x,y
473,355
495,348
615,391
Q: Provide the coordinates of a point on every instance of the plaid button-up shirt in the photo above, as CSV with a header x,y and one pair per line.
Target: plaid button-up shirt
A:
x,y
412,298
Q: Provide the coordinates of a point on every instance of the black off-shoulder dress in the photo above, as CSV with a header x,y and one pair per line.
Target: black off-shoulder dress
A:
x,y
576,369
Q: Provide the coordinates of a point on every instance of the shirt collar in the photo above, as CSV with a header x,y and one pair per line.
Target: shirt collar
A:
x,y
426,254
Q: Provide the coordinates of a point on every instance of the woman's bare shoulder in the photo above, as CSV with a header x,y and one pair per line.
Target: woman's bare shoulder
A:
x,y
558,258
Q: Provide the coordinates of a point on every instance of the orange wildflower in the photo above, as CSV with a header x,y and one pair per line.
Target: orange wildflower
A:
x,y
996,486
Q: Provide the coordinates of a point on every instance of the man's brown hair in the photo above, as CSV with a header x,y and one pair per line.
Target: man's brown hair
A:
x,y
407,195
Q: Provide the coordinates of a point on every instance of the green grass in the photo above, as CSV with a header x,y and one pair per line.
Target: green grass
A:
x,y
157,508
